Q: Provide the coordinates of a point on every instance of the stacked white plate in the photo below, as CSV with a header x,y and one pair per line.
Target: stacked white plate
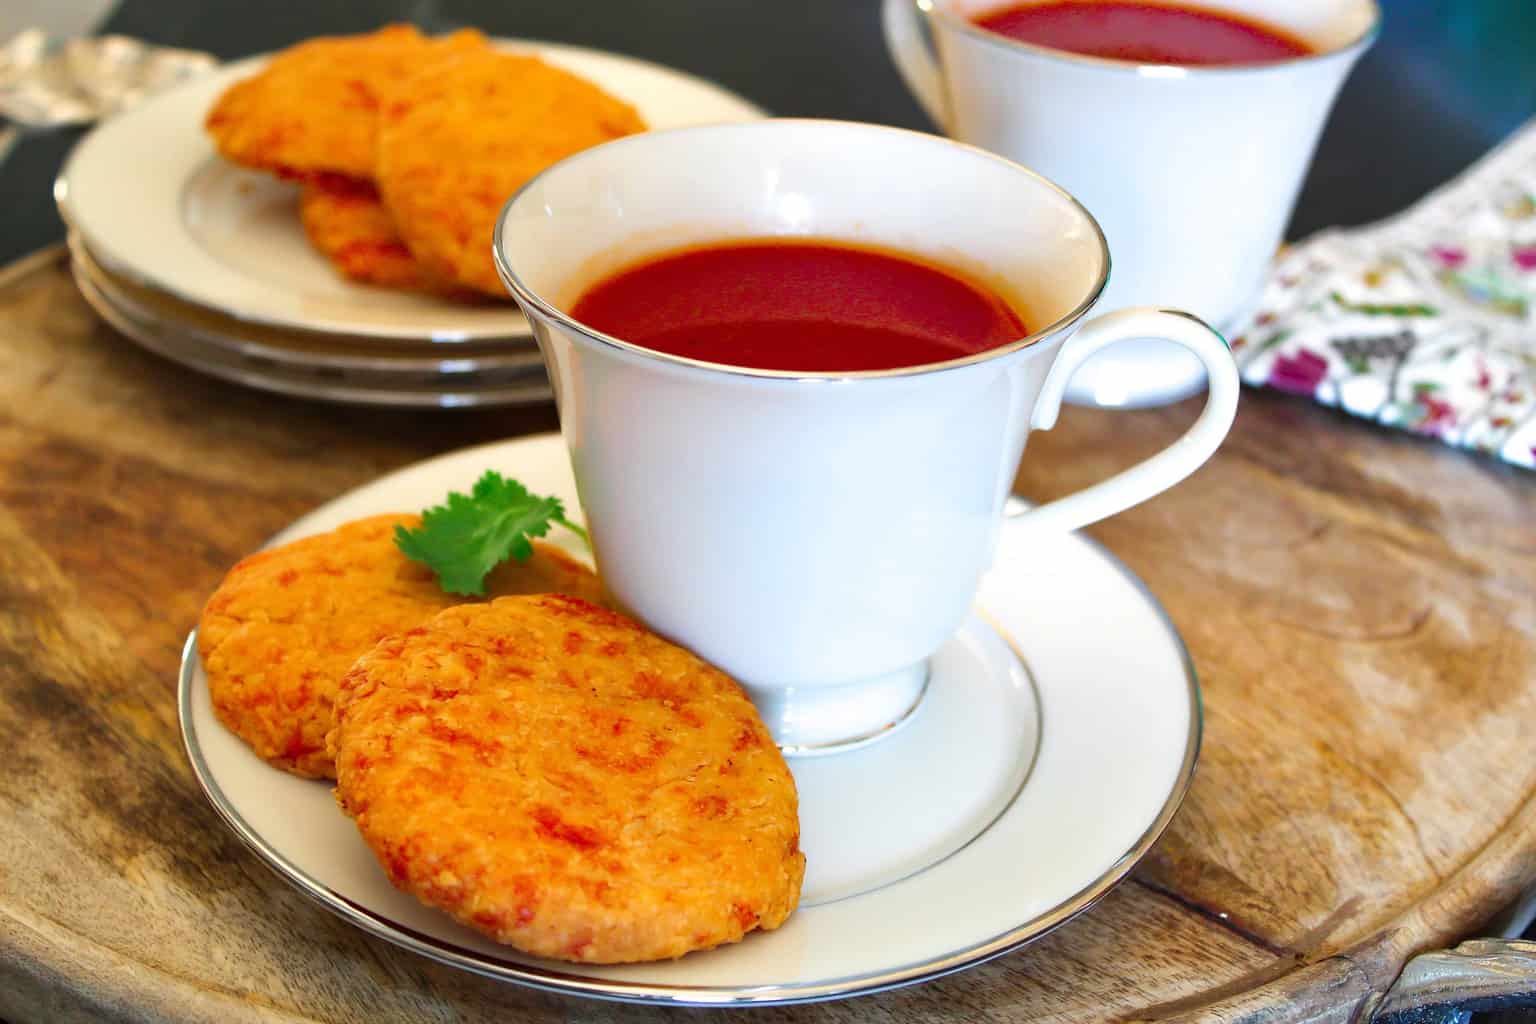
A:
x,y
206,263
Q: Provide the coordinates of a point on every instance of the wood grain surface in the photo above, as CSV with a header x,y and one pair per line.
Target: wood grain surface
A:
x,y
1361,608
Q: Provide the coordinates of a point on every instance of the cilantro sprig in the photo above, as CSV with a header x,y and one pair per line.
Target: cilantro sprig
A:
x,y
465,538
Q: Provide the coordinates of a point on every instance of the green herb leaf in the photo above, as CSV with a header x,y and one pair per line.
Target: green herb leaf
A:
x,y
465,538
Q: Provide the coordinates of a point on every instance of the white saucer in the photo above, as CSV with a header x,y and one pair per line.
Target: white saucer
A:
x,y
503,372
1015,798
230,239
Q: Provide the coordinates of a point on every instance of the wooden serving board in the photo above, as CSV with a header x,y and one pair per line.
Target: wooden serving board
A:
x,y
1361,607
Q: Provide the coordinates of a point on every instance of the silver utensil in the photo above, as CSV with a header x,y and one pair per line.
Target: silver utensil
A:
x,y
45,86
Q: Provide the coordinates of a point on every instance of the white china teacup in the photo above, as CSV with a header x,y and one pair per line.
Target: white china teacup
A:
x,y
820,535
1192,170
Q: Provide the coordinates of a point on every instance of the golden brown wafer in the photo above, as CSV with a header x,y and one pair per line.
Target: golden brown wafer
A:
x,y
346,221
563,780
460,136
286,624
314,108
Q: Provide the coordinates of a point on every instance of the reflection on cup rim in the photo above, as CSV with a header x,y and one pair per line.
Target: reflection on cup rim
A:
x,y
943,9
528,297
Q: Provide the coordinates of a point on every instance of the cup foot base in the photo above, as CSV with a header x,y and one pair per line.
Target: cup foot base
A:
x,y
820,721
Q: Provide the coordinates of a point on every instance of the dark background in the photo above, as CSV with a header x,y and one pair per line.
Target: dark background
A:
x,y
1446,81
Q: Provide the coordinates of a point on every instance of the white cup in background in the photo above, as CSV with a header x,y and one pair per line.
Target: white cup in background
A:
x,y
1192,171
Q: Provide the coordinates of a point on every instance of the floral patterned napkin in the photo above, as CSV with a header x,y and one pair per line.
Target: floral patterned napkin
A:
x,y
1425,322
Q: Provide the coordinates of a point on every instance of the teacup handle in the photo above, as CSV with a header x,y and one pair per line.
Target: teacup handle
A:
x,y
907,40
1172,464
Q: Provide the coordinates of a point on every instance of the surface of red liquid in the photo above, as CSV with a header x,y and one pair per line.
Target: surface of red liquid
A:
x,y
1144,33
806,306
